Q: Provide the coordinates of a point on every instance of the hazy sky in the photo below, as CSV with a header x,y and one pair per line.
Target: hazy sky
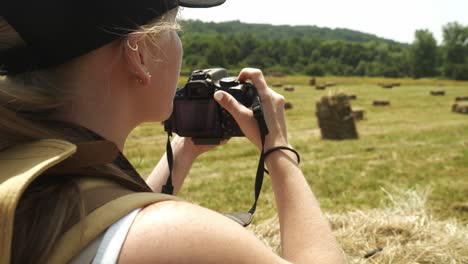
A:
x,y
393,19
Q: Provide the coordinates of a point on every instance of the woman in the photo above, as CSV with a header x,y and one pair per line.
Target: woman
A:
x,y
95,71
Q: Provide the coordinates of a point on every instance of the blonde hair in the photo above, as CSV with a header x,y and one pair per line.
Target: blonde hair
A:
x,y
25,100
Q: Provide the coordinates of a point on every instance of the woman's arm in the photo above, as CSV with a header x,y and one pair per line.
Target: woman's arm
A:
x,y
305,234
185,152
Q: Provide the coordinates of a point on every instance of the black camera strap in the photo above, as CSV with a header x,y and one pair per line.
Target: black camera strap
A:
x,y
243,218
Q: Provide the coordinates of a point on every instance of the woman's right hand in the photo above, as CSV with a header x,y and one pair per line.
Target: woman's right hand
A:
x,y
273,110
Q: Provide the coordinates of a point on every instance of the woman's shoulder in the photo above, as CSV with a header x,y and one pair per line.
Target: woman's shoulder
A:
x,y
181,232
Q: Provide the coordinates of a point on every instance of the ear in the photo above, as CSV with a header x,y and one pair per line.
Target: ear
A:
x,y
136,56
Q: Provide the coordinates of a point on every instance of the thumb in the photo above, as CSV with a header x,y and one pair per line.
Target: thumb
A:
x,y
242,115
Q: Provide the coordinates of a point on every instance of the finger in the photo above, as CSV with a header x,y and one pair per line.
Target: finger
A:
x,y
257,78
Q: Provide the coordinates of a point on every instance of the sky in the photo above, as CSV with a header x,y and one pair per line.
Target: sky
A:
x,y
391,19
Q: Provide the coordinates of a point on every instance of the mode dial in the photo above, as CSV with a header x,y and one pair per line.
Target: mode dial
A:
x,y
228,82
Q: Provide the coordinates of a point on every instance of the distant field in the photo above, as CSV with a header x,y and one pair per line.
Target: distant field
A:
x,y
416,143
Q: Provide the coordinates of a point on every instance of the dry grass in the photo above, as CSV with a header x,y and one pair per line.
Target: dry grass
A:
x,y
404,230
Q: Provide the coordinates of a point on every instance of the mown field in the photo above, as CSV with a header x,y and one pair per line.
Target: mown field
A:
x,y
416,143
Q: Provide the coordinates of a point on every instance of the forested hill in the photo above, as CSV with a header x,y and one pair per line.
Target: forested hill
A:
x,y
323,51
267,31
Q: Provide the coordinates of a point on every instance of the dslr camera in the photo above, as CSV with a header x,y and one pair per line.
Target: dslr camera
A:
x,y
197,115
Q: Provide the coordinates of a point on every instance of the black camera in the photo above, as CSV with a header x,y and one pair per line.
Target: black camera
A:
x,y
197,115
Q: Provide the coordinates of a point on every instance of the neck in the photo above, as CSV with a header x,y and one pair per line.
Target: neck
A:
x,y
111,119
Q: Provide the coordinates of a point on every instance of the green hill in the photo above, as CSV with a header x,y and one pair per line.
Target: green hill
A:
x,y
273,32
291,49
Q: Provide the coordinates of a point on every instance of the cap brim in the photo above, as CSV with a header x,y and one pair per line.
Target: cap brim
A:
x,y
200,3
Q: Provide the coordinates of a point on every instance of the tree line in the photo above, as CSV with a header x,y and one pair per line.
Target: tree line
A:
x,y
321,51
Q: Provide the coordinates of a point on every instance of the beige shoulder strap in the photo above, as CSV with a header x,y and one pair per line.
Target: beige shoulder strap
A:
x,y
19,166
81,234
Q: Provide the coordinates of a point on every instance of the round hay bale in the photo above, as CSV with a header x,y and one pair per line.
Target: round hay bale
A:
x,y
381,103
461,98
396,84
387,86
312,81
352,97
358,113
437,92
289,89
320,87
277,74
288,105
278,85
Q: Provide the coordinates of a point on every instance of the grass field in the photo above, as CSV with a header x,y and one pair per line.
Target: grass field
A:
x,y
416,143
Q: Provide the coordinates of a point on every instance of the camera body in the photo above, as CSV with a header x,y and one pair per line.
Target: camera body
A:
x,y
197,115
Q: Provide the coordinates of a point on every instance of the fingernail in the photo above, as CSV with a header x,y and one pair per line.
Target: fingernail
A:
x,y
218,96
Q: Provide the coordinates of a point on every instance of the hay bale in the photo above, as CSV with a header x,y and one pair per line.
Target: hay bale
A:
x,y
461,207
437,92
396,84
461,98
461,108
320,87
288,106
277,85
387,86
352,97
277,74
312,81
358,113
404,231
289,89
381,103
335,117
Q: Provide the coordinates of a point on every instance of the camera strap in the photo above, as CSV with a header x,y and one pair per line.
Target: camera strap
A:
x,y
243,218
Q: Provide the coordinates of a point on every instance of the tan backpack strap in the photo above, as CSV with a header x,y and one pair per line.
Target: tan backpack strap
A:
x,y
19,166
81,234
88,154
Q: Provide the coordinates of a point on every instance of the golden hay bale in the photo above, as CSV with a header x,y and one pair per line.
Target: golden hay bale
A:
x,y
461,108
404,231
437,92
288,105
312,81
358,113
386,85
289,89
320,87
461,98
380,103
335,117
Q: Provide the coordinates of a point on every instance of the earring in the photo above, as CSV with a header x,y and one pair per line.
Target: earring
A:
x,y
132,48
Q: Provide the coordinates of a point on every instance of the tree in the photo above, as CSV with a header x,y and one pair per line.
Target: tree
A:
x,y
455,51
423,54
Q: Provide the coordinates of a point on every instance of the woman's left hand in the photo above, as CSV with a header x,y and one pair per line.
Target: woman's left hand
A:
x,y
189,148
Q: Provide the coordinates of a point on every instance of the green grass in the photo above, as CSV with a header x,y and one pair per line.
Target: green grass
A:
x,y
417,142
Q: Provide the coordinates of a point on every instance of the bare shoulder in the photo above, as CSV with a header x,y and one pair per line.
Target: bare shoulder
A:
x,y
180,232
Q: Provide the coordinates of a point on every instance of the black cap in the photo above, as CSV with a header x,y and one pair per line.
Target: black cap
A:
x,y
56,31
